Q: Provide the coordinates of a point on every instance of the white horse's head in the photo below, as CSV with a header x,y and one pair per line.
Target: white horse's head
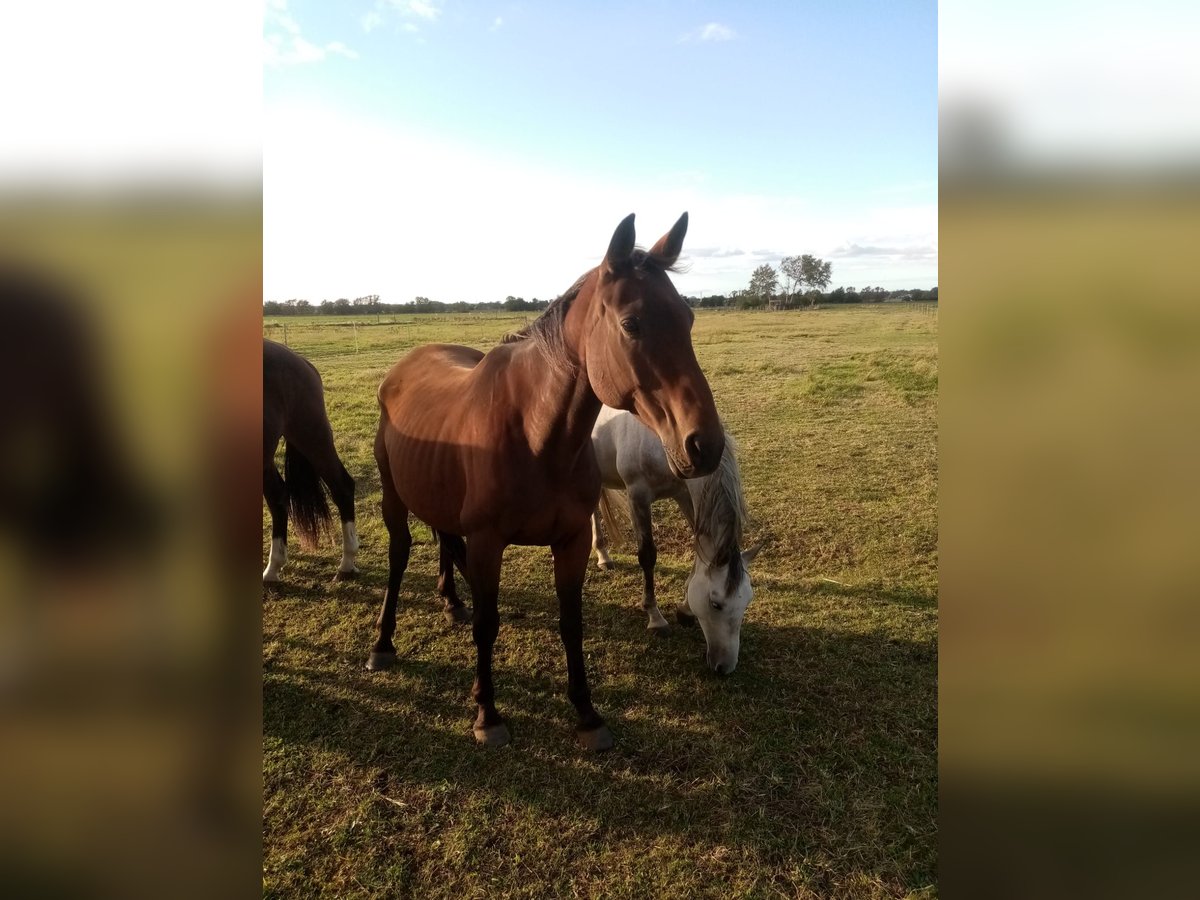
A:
x,y
718,598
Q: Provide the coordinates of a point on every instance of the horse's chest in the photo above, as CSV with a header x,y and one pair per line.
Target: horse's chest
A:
x,y
542,507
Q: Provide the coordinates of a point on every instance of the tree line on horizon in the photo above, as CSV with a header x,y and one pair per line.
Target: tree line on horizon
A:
x,y
800,281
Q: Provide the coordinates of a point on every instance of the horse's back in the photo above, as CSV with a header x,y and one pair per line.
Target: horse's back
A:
x,y
429,370
630,455
292,388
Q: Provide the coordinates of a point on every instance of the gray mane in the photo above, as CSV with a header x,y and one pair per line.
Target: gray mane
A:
x,y
721,514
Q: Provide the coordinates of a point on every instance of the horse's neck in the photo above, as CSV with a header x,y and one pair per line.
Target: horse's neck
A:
x,y
561,407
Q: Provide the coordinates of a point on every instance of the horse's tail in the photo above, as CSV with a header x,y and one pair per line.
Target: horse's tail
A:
x,y
614,512
307,506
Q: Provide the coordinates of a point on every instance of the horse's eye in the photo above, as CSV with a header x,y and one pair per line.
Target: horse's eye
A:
x,y
717,605
632,326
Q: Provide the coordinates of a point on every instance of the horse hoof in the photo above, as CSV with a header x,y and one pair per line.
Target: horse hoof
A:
x,y
660,631
352,575
595,740
684,617
492,735
604,566
457,615
381,660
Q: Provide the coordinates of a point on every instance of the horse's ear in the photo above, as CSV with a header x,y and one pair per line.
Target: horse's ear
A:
x,y
748,555
670,245
620,248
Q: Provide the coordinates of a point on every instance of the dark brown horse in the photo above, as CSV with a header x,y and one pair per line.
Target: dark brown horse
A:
x,y
294,409
497,448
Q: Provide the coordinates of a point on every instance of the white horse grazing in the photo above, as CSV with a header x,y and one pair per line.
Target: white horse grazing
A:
x,y
632,460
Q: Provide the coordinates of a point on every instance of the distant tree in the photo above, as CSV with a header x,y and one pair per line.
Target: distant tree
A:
x,y
341,305
793,277
514,304
815,273
763,283
303,308
326,307
367,304
933,293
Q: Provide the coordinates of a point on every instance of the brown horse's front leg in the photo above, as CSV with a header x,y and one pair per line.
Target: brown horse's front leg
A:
x,y
484,555
383,652
570,567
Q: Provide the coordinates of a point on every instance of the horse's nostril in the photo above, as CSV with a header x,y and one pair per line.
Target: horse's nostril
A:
x,y
694,451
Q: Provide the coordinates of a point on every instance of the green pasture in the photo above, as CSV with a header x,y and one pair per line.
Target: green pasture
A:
x,y
811,771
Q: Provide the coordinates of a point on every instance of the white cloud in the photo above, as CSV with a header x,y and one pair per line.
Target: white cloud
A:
x,y
283,44
353,208
713,31
424,9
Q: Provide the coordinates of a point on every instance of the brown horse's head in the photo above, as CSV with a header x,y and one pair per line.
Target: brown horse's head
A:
x,y
639,350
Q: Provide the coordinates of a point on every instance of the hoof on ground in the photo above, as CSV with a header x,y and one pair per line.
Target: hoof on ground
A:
x,y
684,616
457,615
381,660
596,739
660,631
492,735
352,575
605,566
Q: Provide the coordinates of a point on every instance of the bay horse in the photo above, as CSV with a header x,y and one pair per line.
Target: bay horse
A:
x,y
294,410
496,448
632,461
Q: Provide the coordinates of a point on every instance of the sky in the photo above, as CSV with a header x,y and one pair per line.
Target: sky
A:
x,y
472,151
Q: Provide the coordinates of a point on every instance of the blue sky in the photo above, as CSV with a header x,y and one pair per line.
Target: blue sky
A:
x,y
470,151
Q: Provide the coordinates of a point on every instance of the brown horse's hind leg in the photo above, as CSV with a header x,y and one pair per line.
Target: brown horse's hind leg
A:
x,y
639,507
276,495
395,517
484,556
315,441
341,488
570,568
452,550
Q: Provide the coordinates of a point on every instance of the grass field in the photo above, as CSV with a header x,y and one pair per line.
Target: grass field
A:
x,y
811,771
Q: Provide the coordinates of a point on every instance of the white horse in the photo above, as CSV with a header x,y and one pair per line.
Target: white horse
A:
x,y
632,460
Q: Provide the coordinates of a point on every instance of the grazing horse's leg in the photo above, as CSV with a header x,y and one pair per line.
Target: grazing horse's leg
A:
x,y
639,507
452,550
570,567
684,498
275,492
484,556
600,542
395,517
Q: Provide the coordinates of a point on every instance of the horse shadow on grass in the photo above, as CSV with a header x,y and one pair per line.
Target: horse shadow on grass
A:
x,y
821,746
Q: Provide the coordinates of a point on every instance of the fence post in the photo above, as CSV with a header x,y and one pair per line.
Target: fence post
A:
x,y
285,340
355,325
